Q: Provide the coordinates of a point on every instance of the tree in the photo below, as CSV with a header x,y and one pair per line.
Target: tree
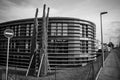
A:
x,y
110,44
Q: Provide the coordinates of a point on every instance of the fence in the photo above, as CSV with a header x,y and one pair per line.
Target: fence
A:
x,y
87,72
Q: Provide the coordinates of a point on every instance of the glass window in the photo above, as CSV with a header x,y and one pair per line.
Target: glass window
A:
x,y
26,46
65,27
53,24
14,45
14,30
53,33
59,31
76,24
65,30
65,34
32,27
59,34
59,24
70,24
53,28
27,30
19,30
59,27
65,24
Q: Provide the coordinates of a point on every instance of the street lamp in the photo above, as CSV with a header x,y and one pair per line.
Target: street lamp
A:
x,y
102,35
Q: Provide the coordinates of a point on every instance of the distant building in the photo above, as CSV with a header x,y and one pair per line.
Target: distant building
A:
x,y
71,42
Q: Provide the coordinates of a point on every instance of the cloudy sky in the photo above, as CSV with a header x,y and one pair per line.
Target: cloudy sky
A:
x,y
83,9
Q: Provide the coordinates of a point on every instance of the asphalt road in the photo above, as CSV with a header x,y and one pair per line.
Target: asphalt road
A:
x,y
111,69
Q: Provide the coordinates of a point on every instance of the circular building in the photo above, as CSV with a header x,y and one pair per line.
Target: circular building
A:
x,y
71,42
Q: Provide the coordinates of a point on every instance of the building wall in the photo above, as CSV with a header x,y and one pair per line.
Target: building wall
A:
x,y
69,39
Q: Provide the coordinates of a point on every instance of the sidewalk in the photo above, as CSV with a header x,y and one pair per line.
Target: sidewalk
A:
x,y
111,69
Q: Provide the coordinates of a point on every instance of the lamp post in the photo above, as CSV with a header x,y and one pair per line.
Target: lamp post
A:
x,y
102,36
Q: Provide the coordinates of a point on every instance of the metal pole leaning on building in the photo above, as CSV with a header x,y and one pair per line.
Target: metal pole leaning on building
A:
x,y
29,65
41,66
47,23
102,36
34,43
44,44
41,62
36,53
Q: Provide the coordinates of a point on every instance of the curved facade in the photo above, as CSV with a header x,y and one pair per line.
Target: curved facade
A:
x,y
71,42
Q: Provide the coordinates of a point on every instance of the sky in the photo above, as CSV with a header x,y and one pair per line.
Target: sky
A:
x,y
83,9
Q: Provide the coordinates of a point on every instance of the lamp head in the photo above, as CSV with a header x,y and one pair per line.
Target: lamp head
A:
x,y
103,13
